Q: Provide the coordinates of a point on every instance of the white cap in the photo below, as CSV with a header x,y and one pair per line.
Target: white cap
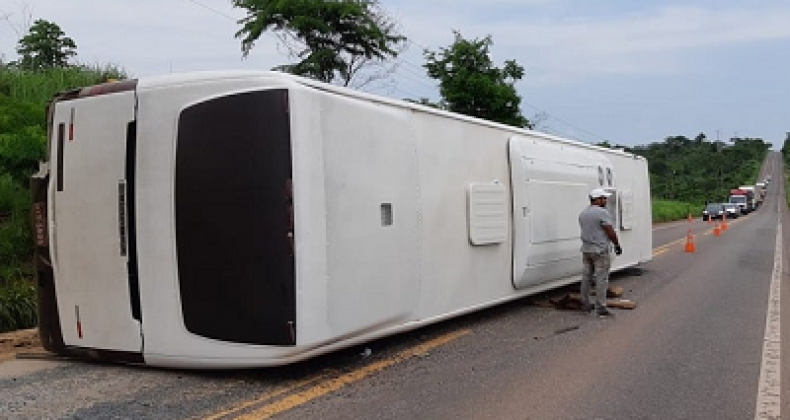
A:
x,y
598,193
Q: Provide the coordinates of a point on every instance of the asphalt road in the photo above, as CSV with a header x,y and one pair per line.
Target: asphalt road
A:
x,y
694,348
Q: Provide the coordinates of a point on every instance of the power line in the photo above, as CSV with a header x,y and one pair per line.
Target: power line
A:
x,y
415,77
549,115
219,12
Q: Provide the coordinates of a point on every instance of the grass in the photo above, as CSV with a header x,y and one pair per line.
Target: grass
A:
x,y
40,86
17,305
787,185
668,210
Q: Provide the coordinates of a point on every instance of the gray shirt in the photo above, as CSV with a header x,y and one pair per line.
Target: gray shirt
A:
x,y
591,221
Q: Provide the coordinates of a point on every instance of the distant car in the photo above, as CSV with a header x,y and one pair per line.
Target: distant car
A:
x,y
713,211
732,209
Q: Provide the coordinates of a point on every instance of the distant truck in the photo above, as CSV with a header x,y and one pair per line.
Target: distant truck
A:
x,y
755,197
762,188
744,198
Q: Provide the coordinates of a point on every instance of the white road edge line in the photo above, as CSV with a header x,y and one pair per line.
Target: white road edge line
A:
x,y
769,388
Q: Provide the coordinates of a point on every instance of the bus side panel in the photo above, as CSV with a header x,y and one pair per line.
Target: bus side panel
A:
x,y
453,154
372,214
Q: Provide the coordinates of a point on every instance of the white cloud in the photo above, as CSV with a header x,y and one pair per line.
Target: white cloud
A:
x,y
572,47
149,36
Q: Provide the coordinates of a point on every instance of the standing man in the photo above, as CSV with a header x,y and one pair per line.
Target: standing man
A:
x,y
597,236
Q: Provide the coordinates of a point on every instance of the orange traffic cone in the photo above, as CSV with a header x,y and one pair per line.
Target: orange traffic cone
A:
x,y
724,222
690,242
690,219
716,230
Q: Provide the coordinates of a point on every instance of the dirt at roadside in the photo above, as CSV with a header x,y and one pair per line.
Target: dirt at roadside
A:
x,y
14,342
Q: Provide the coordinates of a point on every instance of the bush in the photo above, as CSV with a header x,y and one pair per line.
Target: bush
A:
x,y
17,305
22,138
15,237
787,186
16,246
13,197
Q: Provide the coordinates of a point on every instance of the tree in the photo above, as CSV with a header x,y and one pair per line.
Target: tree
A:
x,y
22,138
45,46
470,84
332,39
698,171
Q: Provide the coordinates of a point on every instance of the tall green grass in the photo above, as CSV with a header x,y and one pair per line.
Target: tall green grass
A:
x,y
17,305
668,210
40,86
787,184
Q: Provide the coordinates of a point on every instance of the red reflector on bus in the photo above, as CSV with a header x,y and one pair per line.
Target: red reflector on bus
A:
x,y
79,323
71,125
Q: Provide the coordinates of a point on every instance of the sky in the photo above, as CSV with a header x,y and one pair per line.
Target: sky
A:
x,y
622,71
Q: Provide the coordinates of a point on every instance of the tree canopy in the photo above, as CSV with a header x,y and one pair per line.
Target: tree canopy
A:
x,y
332,39
699,171
470,84
786,147
45,46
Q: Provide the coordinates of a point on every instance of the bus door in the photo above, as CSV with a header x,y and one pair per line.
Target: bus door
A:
x,y
91,197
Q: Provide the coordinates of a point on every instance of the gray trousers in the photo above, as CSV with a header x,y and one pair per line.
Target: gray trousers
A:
x,y
596,269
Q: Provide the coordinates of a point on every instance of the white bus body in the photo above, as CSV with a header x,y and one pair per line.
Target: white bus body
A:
x,y
246,219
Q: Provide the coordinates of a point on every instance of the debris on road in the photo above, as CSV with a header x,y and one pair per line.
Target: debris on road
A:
x,y
572,301
14,342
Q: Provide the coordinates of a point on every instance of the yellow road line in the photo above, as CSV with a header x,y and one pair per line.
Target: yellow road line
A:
x,y
286,388
330,385
666,247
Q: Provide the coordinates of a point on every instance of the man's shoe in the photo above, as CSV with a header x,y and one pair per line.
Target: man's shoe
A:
x,y
604,313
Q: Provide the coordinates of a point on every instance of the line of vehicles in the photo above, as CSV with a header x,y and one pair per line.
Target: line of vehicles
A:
x,y
741,201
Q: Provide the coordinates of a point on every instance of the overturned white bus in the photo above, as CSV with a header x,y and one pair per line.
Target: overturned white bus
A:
x,y
245,219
